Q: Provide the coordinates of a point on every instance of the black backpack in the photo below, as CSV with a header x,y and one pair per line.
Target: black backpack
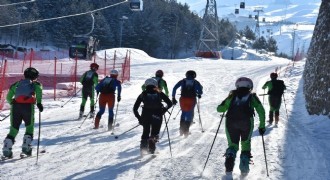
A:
x,y
240,110
107,86
277,88
188,88
151,100
88,79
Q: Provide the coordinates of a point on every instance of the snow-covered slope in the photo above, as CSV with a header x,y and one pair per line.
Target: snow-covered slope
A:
x,y
295,150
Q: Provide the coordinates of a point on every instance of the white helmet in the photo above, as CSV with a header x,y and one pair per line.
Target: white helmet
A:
x,y
244,82
114,72
151,82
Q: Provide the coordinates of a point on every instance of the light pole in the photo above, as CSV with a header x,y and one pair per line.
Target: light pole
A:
x,y
121,28
19,21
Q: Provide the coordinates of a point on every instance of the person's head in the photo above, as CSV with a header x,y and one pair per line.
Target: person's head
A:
x,y
244,83
114,73
94,66
191,74
159,73
31,73
151,83
273,76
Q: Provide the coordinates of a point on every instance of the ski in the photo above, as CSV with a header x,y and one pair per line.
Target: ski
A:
x,y
21,157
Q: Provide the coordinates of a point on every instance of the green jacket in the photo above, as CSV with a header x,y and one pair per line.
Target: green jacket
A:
x,y
95,78
37,91
255,103
162,85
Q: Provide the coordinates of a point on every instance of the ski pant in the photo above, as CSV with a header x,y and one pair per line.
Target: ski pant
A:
x,y
21,112
104,100
187,105
275,103
86,92
152,122
239,129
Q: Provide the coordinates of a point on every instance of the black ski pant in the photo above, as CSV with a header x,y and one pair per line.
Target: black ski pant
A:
x,y
152,123
239,129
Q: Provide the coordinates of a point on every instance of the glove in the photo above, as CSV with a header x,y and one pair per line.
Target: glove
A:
x,y
40,107
199,96
118,98
164,110
174,101
262,131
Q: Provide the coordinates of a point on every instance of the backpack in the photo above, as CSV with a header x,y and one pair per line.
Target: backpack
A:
x,y
151,100
240,109
278,88
188,88
25,92
107,86
88,79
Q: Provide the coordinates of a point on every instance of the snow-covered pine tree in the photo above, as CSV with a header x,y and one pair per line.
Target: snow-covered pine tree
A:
x,y
317,74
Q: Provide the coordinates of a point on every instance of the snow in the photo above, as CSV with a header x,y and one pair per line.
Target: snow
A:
x,y
296,149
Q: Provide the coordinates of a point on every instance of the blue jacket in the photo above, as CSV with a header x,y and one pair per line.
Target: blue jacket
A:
x,y
197,86
114,84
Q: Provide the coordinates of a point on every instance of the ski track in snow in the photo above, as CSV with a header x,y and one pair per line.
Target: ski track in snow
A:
x,y
85,153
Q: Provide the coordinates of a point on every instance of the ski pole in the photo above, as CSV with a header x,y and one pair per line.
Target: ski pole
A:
x,y
71,97
168,135
5,117
177,114
38,137
114,121
207,159
263,98
199,115
88,114
116,137
286,110
167,122
262,94
263,144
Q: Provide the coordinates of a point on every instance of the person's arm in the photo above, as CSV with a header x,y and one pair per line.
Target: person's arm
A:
x,y
136,106
118,84
166,100
175,88
260,110
199,88
99,86
11,93
96,79
82,78
38,91
223,107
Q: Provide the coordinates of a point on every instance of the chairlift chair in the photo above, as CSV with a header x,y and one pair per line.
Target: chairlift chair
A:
x,y
263,19
256,17
250,16
236,11
136,5
242,5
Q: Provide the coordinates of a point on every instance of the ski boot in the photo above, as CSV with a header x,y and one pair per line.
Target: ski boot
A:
x,y
244,163
271,119
230,160
110,125
7,147
96,122
152,144
91,114
81,113
26,146
277,117
144,147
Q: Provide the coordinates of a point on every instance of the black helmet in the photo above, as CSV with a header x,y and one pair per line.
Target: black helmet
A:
x,y
159,73
273,75
31,73
191,74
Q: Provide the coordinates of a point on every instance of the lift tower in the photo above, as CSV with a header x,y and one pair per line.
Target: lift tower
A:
x,y
209,38
258,10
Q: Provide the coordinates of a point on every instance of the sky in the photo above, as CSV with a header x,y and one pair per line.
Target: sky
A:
x,y
296,149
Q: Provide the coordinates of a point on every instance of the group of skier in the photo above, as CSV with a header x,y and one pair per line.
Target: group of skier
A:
x,y
239,107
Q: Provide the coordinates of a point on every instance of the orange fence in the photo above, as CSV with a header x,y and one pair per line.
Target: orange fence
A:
x,y
59,76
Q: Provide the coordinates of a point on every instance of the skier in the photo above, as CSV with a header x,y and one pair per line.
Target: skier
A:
x,y
22,96
152,114
240,105
190,88
275,91
89,80
107,88
162,85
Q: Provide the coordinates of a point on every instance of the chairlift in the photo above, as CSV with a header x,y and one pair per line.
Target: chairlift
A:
x,y
236,11
263,19
242,5
256,17
250,16
136,5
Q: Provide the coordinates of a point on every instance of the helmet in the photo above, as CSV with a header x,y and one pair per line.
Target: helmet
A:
x,y
114,73
159,73
151,82
273,75
94,65
31,73
191,74
244,82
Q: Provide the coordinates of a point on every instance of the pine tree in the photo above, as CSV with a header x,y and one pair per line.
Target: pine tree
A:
x,y
316,74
